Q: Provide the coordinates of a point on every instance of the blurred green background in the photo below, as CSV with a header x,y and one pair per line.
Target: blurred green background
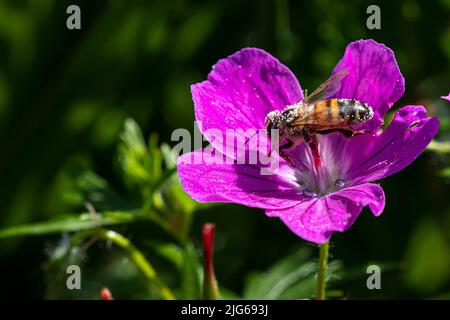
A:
x,y
65,94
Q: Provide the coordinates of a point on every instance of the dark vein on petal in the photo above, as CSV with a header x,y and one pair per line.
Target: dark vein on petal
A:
x,y
328,211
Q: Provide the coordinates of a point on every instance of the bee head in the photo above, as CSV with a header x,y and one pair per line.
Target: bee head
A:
x,y
361,113
366,113
272,121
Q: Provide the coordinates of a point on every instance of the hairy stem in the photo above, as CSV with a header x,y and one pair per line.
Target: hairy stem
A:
x,y
136,256
322,274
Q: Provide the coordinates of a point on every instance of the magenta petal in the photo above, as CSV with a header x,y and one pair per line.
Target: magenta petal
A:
x,y
240,91
381,155
206,181
364,194
315,220
447,97
374,77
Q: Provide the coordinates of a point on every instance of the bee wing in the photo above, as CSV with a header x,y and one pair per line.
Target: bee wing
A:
x,y
327,89
312,116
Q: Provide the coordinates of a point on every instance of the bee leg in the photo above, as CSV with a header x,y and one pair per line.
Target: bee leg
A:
x,y
284,155
346,132
314,145
288,158
311,139
287,145
354,133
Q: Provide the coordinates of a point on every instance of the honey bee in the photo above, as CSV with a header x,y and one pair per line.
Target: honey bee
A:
x,y
317,114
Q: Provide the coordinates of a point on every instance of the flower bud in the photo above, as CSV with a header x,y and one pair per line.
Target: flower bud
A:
x,y
210,287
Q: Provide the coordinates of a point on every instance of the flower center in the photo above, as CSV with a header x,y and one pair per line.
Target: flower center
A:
x,y
317,181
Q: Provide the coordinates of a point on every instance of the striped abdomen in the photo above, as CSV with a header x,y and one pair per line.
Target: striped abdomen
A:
x,y
341,112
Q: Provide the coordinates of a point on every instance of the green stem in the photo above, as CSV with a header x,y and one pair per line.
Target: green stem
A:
x,y
322,274
138,259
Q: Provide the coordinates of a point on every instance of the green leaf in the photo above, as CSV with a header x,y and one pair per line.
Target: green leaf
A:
x,y
305,286
191,274
98,192
168,198
70,223
77,184
277,279
132,137
139,165
294,277
166,153
169,251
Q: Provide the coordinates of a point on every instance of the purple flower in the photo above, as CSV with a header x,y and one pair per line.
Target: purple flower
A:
x,y
446,97
312,201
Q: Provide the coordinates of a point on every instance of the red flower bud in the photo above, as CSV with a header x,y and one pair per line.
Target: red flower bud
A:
x,y
210,287
105,294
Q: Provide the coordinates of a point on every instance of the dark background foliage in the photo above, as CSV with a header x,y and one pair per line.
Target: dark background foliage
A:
x,y
64,96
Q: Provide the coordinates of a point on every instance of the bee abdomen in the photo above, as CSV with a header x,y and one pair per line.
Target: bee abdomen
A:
x,y
354,111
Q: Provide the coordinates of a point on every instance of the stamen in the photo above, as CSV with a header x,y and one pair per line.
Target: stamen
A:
x,y
314,146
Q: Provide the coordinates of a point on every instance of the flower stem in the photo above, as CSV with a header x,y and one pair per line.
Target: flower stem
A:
x,y
322,274
136,256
